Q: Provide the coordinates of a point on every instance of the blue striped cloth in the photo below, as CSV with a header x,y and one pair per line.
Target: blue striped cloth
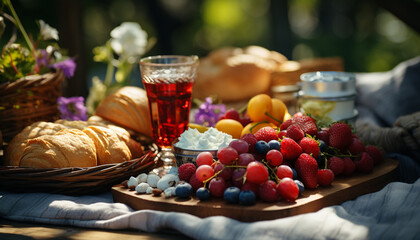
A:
x,y
392,213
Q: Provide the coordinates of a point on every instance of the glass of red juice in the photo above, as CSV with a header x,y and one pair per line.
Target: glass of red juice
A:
x,y
168,81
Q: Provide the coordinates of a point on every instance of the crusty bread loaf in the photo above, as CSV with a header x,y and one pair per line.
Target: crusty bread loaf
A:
x,y
66,148
127,107
236,74
109,147
15,148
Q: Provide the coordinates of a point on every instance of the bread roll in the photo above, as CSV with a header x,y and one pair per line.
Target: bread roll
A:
x,y
127,107
236,74
109,147
66,148
15,148
73,124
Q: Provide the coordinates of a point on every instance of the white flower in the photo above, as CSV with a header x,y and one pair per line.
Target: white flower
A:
x,y
129,40
47,32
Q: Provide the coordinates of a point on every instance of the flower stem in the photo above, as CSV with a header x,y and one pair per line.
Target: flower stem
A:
x,y
19,24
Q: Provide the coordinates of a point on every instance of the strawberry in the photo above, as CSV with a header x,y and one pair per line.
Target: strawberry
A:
x,y
336,165
309,146
307,169
295,132
375,153
307,124
323,135
286,124
266,134
290,149
349,166
340,136
325,177
364,163
282,134
356,146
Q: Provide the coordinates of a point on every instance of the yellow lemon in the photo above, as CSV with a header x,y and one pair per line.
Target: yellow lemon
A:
x,y
278,112
230,126
255,126
199,127
287,116
258,106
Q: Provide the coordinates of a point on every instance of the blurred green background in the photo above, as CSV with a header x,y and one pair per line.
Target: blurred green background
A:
x,y
364,34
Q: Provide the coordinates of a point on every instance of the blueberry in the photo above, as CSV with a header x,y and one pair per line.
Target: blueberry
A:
x,y
262,147
274,144
295,174
247,197
322,145
300,186
231,195
203,193
183,190
321,162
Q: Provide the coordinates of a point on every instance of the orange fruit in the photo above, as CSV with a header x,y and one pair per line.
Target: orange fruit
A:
x,y
230,126
278,112
258,106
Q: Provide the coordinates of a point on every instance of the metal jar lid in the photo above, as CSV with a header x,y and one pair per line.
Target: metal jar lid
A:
x,y
327,84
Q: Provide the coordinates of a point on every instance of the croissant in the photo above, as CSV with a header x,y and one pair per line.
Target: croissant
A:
x,y
66,148
14,150
128,107
109,147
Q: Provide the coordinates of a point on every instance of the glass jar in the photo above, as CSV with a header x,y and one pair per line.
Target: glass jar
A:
x,y
328,96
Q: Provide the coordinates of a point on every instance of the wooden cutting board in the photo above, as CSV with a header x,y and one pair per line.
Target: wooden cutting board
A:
x,y
342,189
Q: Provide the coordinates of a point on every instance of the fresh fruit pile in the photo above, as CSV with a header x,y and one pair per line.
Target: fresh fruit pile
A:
x,y
279,162
262,111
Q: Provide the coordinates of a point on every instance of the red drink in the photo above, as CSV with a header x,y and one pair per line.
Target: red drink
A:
x,y
169,105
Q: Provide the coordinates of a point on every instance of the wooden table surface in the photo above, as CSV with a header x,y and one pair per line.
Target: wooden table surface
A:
x,y
13,230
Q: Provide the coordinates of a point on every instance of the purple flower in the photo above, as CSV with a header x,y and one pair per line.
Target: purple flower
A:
x,y
72,108
42,59
208,113
68,66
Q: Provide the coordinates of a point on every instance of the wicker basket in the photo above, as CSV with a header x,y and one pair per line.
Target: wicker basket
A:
x,y
75,181
28,100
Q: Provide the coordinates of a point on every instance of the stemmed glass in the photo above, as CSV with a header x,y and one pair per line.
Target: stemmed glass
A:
x,y
168,81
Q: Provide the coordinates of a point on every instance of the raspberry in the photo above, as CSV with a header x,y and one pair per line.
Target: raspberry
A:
x,y
266,134
336,165
309,146
290,149
186,170
356,146
375,153
340,136
251,140
307,169
364,163
325,177
267,191
195,183
349,166
295,132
